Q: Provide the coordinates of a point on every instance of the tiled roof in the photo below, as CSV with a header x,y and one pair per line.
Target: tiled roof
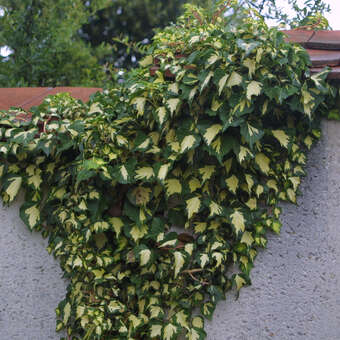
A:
x,y
323,48
26,97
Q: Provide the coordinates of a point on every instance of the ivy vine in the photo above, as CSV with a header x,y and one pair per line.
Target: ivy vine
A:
x,y
157,194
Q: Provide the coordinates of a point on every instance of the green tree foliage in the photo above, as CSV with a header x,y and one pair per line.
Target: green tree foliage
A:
x,y
46,49
134,21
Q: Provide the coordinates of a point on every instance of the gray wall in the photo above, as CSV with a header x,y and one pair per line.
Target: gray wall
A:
x,y
296,281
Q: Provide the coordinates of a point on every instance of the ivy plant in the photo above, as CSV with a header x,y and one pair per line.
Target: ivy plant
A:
x,y
157,194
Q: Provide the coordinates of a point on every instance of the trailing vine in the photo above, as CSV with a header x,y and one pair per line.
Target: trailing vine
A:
x,y
157,194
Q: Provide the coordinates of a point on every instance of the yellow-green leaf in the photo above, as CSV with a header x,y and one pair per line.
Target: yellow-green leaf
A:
x,y
207,172
215,209
282,137
173,104
247,238
169,331
67,313
156,331
13,189
253,89
144,173
161,114
193,206
194,184
234,79
182,319
187,143
145,255
173,186
222,83
237,219
163,171
146,61
140,103
240,281
263,162
232,183
204,260
117,225
211,133
33,214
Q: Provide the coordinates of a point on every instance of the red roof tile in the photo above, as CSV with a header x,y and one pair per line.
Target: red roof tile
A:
x,y
26,97
323,48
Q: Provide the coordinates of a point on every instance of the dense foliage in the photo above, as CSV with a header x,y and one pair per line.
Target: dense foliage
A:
x,y
46,50
157,195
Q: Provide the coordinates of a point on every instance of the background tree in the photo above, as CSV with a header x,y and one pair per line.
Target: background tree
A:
x,y
46,49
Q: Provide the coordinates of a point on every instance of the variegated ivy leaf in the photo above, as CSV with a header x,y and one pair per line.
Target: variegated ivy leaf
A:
x,y
232,183
215,209
251,134
282,137
145,256
179,262
161,115
244,154
205,79
172,104
238,221
188,143
211,133
212,60
263,162
30,214
251,65
206,172
173,186
146,61
207,309
117,224
144,173
221,83
156,330
253,89
170,332
247,238
234,79
140,104
163,171
239,281
11,187
193,206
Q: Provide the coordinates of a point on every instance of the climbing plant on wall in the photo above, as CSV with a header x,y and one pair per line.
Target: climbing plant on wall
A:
x,y
157,195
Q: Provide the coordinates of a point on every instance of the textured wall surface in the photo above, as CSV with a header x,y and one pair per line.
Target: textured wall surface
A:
x,y
296,281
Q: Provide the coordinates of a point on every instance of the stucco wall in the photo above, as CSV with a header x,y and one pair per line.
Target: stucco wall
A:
x,y
296,281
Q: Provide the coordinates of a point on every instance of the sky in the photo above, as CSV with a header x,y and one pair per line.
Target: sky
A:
x,y
333,18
